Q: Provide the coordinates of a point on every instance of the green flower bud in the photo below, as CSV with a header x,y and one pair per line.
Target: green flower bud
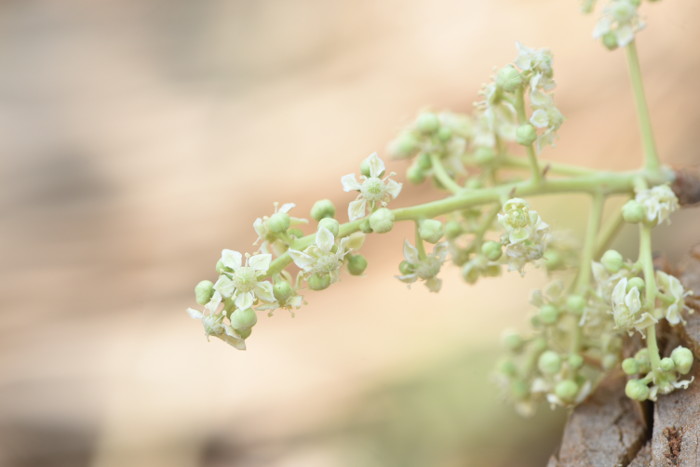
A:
x,y
427,122
322,208
508,368
331,224
667,364
549,362
282,290
424,161
610,41
635,282
612,260
430,230
319,281
633,212
406,268
415,174
365,227
244,333
630,366
566,390
203,292
492,250
484,155
381,220
548,314
637,390
453,229
513,341
508,78
552,260
643,362
609,361
575,361
220,267
444,134
538,345
356,264
525,134
243,319
405,146
278,222
575,304
683,359
519,390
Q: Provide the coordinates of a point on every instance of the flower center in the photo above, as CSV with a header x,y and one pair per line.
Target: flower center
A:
x,y
372,189
326,263
245,279
428,268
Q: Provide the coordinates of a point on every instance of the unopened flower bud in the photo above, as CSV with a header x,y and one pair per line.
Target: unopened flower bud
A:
x,y
637,390
406,268
203,292
549,362
381,220
548,314
319,281
322,208
566,390
610,40
667,364
492,250
512,341
278,222
612,260
430,230
484,155
444,134
575,304
508,368
635,283
243,319
508,78
575,361
633,212
415,174
356,264
427,122
404,146
683,359
282,290
453,229
331,224
630,366
525,134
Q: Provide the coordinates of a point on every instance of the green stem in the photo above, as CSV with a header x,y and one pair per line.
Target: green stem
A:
x,y
650,291
442,175
608,232
530,149
651,158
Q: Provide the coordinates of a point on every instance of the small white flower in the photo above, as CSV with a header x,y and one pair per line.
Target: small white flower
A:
x,y
659,202
627,308
425,269
620,19
269,239
373,190
526,236
673,296
536,64
320,257
241,281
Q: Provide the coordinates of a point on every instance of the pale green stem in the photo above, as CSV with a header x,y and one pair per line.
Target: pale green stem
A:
x,y
609,232
419,243
442,175
651,158
530,149
650,292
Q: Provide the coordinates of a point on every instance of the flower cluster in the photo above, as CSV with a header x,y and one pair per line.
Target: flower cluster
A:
x,y
526,235
664,380
417,264
373,191
651,206
619,23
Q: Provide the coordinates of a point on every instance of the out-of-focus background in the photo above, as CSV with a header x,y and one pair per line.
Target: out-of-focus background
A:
x,y
139,138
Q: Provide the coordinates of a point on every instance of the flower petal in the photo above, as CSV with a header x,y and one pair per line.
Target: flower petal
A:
x,y
303,260
224,286
357,209
350,183
324,239
393,188
376,165
232,259
244,300
286,207
263,290
410,252
195,314
260,262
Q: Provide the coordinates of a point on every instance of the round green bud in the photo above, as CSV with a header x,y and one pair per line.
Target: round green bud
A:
x,y
381,220
331,224
538,345
356,264
508,368
415,174
243,319
322,208
609,361
566,390
635,282
683,359
575,361
278,222
319,281
552,260
633,212
244,333
404,146
643,362
430,230
492,250
484,155
427,122
549,362
444,134
525,134
365,227
637,390
453,229
295,232
406,268
575,304
508,78
203,292
612,261
513,341
610,41
282,290
424,161
519,389
548,314
667,364
630,366
220,267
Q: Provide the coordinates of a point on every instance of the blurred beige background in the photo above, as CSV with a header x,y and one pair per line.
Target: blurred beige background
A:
x,y
139,138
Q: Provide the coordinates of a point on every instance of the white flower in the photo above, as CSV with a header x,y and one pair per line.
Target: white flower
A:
x,y
426,268
268,238
241,282
373,190
319,258
620,19
626,308
214,325
673,296
536,64
526,236
659,202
